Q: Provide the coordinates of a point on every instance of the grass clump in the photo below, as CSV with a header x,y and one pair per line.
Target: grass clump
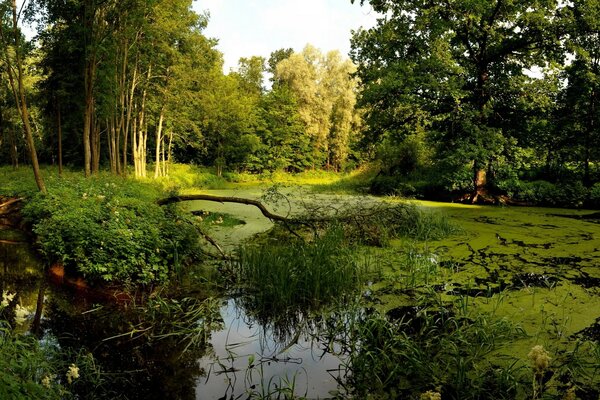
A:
x,y
26,369
377,224
278,277
110,229
425,348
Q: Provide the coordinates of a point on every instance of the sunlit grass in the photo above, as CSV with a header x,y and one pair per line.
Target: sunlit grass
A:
x,y
299,274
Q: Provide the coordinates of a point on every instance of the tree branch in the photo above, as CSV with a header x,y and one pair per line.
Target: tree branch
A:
x,y
225,199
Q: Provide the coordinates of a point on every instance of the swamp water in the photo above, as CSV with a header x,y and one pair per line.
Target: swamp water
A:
x,y
537,267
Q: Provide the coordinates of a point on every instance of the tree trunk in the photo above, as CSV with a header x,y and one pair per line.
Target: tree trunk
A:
x,y
587,180
169,153
129,105
59,131
14,153
159,139
19,94
95,147
88,116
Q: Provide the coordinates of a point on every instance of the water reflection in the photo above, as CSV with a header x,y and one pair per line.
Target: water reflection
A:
x,y
151,350
138,348
268,357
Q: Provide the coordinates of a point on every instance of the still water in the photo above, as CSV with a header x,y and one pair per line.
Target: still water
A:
x,y
244,357
248,357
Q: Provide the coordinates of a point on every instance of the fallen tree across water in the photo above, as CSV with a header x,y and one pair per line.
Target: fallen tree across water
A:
x,y
370,223
225,199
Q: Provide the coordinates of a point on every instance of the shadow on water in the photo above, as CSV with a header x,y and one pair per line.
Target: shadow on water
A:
x,y
148,351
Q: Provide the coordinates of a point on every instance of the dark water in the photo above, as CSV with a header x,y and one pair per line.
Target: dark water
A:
x,y
241,357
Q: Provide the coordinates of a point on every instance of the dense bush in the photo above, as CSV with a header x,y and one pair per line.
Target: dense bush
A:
x,y
110,229
572,194
594,198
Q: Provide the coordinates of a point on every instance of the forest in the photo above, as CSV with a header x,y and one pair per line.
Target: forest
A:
x,y
463,98
412,220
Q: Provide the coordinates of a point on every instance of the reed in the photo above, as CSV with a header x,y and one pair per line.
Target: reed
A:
x,y
279,277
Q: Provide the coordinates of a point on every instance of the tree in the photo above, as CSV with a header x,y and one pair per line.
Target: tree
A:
x,y
14,70
284,146
251,71
444,67
325,93
579,116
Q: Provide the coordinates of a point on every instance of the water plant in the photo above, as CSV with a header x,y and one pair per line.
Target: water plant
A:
x,y
28,369
277,277
430,347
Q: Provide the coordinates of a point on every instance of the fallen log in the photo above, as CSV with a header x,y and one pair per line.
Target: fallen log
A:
x,y
11,201
225,199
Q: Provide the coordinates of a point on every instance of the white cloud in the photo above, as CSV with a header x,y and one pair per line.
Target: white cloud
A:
x,y
258,27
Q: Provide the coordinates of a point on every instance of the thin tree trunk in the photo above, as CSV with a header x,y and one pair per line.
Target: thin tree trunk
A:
x,y
140,151
14,153
59,129
88,116
96,147
19,94
159,140
129,106
168,163
134,146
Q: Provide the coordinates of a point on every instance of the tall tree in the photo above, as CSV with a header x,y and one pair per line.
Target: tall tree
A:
x,y
580,99
445,66
325,93
14,70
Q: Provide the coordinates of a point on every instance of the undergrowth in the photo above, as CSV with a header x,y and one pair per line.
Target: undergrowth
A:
x,y
111,229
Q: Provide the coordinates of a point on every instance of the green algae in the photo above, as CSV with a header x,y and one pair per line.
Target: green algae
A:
x,y
538,268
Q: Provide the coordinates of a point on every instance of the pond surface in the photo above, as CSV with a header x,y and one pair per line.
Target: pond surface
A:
x,y
538,267
251,358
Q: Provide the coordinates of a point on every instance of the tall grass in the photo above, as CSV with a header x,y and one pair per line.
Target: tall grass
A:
x,y
377,224
430,347
27,370
278,277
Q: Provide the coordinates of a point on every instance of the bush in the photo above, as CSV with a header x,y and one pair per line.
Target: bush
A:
x,y
110,229
594,197
548,194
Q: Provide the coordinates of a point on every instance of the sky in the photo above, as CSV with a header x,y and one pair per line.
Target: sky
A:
x,y
247,28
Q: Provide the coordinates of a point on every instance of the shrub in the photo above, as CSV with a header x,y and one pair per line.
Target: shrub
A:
x,y
572,194
110,229
594,197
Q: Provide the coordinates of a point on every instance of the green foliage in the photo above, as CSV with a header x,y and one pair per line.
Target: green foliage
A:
x,y
400,220
429,348
111,229
548,194
28,370
595,195
279,277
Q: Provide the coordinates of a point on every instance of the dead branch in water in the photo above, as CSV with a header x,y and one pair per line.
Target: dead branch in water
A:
x,y
225,199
